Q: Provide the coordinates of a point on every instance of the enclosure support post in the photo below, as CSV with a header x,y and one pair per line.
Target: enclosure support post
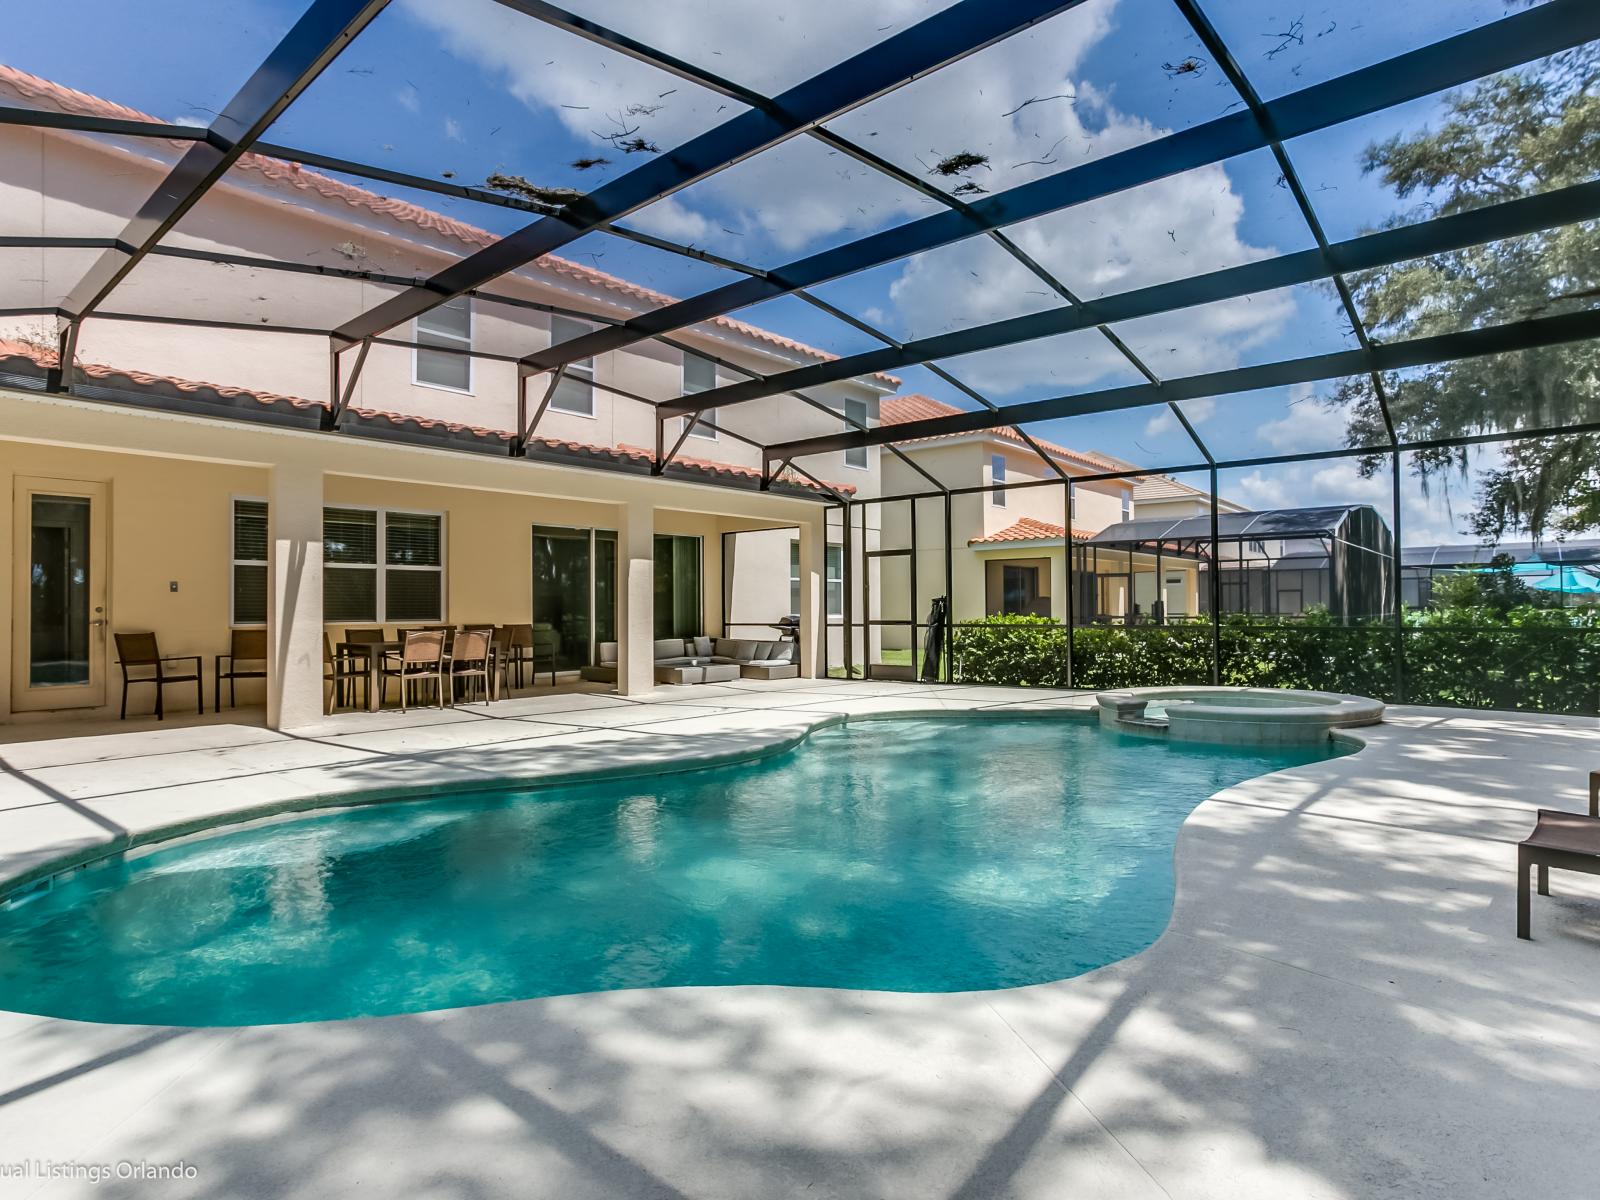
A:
x,y
1216,591
916,669
949,598
849,597
1395,589
1069,581
866,598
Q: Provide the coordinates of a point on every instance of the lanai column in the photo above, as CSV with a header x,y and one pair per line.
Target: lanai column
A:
x,y
813,618
636,618
294,596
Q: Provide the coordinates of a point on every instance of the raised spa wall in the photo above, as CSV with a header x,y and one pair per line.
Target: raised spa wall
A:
x,y
1237,716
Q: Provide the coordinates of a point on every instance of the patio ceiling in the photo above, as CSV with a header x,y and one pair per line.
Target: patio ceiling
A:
x,y
785,115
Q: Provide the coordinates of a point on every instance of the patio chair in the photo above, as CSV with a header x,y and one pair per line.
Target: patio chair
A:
x,y
245,646
500,653
420,661
139,652
343,671
530,645
469,663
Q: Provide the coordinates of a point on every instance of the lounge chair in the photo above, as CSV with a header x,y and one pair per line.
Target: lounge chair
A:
x,y
1566,841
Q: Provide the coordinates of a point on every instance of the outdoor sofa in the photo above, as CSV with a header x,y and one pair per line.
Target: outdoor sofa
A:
x,y
705,660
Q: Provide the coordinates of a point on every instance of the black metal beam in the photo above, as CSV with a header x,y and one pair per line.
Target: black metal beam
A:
x,y
1439,235
1393,356
310,45
79,123
1509,42
949,35
1289,177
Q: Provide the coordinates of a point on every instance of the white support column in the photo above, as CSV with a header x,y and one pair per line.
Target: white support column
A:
x,y
636,593
813,610
1058,586
294,596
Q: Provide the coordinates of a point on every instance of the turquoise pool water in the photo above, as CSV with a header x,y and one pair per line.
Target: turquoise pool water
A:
x,y
901,855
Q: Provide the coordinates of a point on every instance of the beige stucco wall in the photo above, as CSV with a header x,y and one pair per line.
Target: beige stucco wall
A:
x,y
170,517
968,462
61,184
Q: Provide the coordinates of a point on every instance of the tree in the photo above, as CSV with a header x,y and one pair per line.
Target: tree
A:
x,y
1507,136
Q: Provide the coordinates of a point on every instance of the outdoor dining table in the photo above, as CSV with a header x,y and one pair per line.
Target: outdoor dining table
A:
x,y
373,652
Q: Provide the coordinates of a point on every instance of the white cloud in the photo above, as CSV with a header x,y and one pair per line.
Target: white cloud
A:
x,y
452,129
408,99
670,219
1309,425
1198,411
1431,515
800,197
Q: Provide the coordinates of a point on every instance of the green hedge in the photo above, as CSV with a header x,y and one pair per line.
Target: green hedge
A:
x,y
1545,660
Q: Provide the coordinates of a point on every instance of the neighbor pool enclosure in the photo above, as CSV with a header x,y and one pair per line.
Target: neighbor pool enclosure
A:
x,y
338,312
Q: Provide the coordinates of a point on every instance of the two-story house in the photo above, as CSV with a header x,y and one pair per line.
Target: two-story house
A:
x,y
1009,540
289,254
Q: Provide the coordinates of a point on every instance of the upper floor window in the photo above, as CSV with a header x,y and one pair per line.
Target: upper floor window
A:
x,y
855,417
700,375
575,393
449,326
833,577
997,477
1127,506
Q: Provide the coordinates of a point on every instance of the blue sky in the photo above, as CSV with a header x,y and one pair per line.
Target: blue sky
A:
x,y
461,88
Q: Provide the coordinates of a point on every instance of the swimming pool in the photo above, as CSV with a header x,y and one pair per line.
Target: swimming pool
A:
x,y
904,855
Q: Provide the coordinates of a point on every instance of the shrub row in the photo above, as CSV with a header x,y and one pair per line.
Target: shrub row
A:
x,y
1535,659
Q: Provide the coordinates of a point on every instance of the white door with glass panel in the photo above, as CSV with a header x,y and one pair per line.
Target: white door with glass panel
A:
x,y
59,617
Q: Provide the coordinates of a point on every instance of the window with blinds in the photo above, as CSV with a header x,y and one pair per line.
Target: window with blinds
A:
x,y
249,562
378,565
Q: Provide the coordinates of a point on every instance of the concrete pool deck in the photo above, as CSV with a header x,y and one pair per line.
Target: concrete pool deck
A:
x,y
1340,1007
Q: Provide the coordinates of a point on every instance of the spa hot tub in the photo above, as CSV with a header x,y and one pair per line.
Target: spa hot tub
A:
x,y
1236,716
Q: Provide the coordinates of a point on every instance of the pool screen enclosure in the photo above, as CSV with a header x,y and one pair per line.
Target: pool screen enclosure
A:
x,y
360,305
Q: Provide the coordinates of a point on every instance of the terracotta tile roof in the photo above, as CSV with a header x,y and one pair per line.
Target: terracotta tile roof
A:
x,y
115,377
897,410
1028,530
58,97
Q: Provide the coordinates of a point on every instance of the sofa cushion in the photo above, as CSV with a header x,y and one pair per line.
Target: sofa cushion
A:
x,y
764,650
669,648
608,654
702,647
724,647
680,660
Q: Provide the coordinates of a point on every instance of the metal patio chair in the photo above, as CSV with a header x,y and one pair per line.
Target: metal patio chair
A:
x,y
247,646
139,652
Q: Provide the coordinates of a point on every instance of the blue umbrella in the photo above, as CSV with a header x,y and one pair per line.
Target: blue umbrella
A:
x,y
1548,577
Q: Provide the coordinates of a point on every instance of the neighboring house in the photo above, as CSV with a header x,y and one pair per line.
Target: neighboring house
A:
x,y
1009,544
1164,496
557,565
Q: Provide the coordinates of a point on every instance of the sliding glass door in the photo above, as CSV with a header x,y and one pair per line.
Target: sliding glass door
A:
x,y
677,586
575,591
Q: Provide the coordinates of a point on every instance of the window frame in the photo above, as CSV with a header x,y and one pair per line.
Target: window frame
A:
x,y
382,566
828,558
235,561
866,461
699,428
580,370
997,480
465,343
